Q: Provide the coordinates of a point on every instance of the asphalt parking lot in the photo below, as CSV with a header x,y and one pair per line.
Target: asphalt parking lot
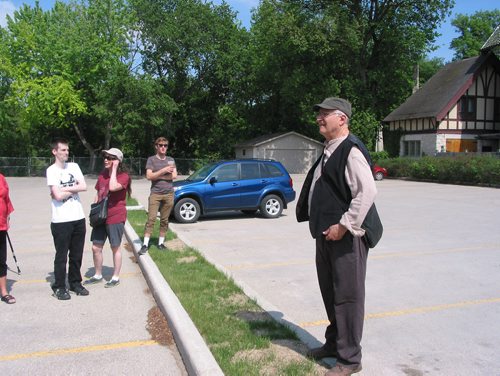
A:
x,y
105,333
433,282
433,286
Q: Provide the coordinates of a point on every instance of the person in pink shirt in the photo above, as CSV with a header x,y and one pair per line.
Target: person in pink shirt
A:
x,y
5,209
115,182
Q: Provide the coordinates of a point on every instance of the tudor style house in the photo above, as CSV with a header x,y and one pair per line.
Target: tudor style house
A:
x,y
457,110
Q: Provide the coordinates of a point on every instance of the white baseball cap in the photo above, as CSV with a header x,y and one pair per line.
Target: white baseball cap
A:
x,y
114,152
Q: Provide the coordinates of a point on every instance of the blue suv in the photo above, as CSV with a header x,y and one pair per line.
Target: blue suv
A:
x,y
246,184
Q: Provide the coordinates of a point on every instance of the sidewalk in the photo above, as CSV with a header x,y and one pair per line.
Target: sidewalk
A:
x,y
103,333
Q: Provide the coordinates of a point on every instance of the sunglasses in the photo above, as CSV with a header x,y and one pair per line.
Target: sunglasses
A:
x,y
162,145
110,158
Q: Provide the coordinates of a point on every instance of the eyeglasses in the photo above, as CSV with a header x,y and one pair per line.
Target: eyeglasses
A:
x,y
162,145
324,115
110,158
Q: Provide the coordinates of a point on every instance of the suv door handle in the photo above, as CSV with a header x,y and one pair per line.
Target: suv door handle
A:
x,y
263,181
235,184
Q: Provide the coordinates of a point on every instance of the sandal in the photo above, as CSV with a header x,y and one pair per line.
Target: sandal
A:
x,y
9,299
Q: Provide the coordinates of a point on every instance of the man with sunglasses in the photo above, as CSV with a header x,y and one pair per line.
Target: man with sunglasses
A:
x,y
161,170
335,198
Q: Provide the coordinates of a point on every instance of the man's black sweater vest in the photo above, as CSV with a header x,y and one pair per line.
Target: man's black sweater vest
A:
x,y
331,197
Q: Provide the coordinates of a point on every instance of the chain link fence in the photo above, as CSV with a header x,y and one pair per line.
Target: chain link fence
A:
x,y
36,166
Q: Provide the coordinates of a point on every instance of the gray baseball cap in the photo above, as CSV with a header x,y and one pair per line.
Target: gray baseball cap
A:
x,y
334,103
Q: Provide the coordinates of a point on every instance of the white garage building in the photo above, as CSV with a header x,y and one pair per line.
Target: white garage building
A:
x,y
295,151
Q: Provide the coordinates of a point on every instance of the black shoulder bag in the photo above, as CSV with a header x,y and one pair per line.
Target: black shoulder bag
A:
x,y
99,212
373,227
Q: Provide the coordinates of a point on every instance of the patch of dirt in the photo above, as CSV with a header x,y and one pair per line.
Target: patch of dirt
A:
x,y
251,316
186,260
128,248
157,326
175,245
278,355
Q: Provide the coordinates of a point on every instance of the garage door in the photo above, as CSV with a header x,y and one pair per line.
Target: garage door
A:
x,y
461,146
296,161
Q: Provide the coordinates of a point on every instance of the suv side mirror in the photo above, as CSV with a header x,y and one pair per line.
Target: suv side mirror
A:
x,y
213,180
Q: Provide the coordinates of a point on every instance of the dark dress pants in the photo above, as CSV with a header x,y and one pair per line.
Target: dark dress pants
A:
x,y
341,268
69,240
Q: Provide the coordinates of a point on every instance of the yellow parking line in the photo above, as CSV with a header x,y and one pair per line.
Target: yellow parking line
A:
x,y
440,307
112,346
409,311
269,265
481,247
28,281
372,256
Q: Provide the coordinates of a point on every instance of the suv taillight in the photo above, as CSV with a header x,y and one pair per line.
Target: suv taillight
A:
x,y
291,183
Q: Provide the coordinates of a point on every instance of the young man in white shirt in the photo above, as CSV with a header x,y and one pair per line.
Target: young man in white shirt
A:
x,y
65,181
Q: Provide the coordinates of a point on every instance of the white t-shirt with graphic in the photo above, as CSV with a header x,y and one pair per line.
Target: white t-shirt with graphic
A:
x,y
70,209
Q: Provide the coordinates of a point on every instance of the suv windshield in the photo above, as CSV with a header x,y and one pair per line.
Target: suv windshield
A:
x,y
202,173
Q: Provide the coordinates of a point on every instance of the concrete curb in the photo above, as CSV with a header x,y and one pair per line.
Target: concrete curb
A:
x,y
197,357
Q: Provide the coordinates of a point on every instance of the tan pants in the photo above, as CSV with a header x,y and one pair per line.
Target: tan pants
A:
x,y
162,203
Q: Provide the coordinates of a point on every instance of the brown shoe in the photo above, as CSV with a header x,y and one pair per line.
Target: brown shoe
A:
x,y
342,370
320,353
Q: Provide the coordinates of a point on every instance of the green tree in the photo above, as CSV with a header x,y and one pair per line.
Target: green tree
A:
x,y
61,62
291,54
11,137
193,49
364,51
428,68
474,31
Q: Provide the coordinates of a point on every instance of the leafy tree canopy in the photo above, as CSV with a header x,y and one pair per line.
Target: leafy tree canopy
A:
x,y
474,31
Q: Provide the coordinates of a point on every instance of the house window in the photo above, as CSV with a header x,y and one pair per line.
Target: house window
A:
x,y
412,148
244,152
497,110
467,108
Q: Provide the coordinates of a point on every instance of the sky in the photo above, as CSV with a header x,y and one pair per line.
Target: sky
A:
x,y
244,8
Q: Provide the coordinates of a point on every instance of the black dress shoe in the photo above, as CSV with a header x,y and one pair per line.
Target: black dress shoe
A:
x,y
79,290
62,294
162,247
320,353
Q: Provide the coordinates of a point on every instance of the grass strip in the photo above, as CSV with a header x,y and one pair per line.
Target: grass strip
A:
x,y
243,338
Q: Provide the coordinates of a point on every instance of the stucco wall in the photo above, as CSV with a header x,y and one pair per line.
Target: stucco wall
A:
x,y
295,152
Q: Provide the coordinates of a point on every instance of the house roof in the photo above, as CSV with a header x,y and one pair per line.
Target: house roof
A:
x,y
440,93
493,41
271,137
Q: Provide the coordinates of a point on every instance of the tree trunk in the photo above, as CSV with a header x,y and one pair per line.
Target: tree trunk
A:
x,y
88,146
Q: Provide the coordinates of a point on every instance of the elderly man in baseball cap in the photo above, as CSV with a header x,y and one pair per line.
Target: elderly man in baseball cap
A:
x,y
341,178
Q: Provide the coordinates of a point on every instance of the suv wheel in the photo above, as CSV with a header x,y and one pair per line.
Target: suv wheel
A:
x,y
271,206
187,210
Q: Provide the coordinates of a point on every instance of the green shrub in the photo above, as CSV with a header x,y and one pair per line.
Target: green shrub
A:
x,y
378,155
465,169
